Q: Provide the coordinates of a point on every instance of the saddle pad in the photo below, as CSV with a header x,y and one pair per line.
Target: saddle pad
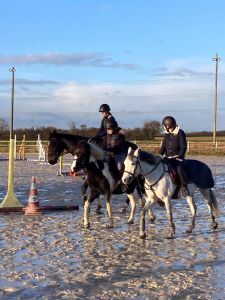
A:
x,y
198,172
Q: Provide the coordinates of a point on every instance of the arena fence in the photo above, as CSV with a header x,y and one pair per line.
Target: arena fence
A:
x,y
39,149
193,147
24,149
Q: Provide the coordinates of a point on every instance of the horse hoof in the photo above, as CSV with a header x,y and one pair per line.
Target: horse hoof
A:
x,y
143,236
109,226
214,225
98,212
189,230
152,220
130,222
87,226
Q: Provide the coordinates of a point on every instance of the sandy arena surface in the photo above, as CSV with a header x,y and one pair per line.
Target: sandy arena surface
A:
x,y
51,257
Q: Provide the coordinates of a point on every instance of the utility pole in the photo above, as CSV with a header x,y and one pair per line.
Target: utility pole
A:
x,y
216,59
10,201
12,103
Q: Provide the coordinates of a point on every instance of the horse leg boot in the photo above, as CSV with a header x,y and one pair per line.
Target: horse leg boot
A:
x,y
168,206
193,207
133,208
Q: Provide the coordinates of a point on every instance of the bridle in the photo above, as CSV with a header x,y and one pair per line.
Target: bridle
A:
x,y
135,168
59,150
149,172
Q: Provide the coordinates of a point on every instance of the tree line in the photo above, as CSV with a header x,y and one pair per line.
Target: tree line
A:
x,y
149,130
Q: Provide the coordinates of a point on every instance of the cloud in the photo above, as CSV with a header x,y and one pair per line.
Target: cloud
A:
x,y
185,92
21,81
94,59
181,72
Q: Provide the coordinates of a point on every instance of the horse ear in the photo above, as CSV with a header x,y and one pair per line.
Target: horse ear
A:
x,y
136,152
129,150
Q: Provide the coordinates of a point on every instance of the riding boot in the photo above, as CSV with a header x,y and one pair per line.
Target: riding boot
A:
x,y
184,188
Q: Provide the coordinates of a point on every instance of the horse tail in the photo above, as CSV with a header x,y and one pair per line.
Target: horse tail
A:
x,y
214,203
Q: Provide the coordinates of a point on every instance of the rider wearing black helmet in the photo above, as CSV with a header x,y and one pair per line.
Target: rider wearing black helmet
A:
x,y
116,148
104,109
174,147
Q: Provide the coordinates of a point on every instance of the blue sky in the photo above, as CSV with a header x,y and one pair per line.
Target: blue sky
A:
x,y
146,59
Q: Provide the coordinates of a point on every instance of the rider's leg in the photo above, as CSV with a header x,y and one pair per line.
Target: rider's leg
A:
x,y
184,189
112,169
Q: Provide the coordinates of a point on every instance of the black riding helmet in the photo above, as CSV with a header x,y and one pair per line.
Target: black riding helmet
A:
x,y
111,124
169,122
104,108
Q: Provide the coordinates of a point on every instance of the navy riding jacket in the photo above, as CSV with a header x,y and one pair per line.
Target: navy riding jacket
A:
x,y
174,143
103,131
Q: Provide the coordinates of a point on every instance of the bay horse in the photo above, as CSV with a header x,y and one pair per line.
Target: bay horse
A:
x,y
159,184
93,159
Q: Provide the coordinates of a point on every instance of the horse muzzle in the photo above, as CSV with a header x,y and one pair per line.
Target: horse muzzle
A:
x,y
52,161
127,179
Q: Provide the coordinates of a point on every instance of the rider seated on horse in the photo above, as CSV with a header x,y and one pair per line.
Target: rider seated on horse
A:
x,y
116,149
104,109
174,147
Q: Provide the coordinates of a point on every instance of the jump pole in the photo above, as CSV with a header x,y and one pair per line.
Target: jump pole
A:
x,y
10,199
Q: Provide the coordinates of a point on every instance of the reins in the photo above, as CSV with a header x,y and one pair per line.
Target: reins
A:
x,y
149,186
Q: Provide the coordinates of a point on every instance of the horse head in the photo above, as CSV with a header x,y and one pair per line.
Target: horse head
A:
x,y
130,166
55,148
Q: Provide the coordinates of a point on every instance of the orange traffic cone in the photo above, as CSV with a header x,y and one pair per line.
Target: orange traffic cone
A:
x,y
72,173
33,203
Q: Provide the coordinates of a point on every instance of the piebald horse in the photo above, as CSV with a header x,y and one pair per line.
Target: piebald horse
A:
x,y
94,161
158,184
63,143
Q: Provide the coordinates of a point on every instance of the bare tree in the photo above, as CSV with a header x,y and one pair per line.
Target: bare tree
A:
x,y
151,129
4,126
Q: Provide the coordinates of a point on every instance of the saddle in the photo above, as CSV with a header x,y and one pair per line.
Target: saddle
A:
x,y
174,175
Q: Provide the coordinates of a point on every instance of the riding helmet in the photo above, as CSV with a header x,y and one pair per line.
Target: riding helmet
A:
x,y
104,108
169,122
111,124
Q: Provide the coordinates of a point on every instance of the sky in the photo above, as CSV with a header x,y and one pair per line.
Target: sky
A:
x,y
145,58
